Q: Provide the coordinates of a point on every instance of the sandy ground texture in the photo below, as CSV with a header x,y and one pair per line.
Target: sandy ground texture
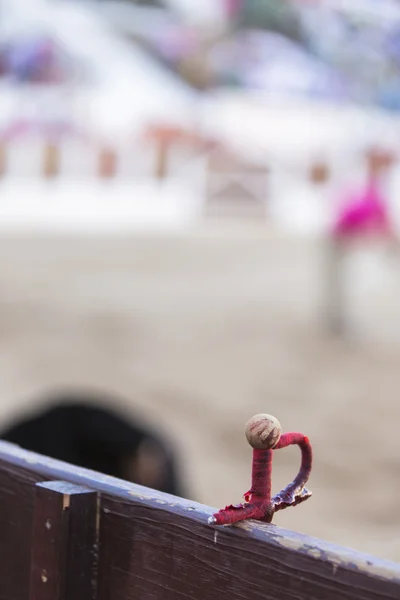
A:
x,y
199,332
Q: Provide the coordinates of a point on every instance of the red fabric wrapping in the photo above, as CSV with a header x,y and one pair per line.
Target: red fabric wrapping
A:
x,y
258,504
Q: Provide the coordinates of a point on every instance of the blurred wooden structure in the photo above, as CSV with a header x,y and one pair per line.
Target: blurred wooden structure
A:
x,y
167,138
71,534
51,160
235,186
319,172
3,158
107,167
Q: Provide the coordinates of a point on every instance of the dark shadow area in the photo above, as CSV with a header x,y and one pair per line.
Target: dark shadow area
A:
x,y
77,428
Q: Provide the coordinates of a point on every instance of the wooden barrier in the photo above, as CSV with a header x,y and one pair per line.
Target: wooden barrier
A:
x,y
106,539
165,138
319,172
234,186
51,160
64,544
107,163
3,158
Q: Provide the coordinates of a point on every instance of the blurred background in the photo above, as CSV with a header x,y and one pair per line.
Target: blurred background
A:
x,y
187,195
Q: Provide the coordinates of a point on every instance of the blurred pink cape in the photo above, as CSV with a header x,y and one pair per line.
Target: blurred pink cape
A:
x,y
364,213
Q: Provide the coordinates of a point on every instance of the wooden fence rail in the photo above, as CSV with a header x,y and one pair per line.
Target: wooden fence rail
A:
x,y
67,533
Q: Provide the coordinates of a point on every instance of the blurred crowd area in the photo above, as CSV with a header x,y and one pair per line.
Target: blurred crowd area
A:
x,y
199,221
315,48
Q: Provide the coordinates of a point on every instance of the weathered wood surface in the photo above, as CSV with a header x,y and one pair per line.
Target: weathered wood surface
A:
x,y
64,544
155,546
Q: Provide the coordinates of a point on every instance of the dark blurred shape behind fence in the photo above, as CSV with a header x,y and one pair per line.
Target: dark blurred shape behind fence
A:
x,y
86,430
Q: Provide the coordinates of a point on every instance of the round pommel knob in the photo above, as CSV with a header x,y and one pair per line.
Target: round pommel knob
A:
x,y
263,431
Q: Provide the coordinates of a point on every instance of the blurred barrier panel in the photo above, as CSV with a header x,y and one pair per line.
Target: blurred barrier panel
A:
x,y
157,153
3,158
67,533
319,172
51,160
235,186
152,157
173,147
108,162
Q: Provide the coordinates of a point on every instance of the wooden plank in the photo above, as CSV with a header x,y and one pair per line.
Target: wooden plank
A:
x,y
16,513
150,552
64,552
154,545
51,160
107,167
3,158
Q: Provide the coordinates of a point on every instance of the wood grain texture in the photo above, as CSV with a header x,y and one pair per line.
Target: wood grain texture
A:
x,y
16,513
155,546
64,543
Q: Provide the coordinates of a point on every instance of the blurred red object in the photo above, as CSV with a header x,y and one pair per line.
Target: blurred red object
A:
x,y
366,213
174,134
